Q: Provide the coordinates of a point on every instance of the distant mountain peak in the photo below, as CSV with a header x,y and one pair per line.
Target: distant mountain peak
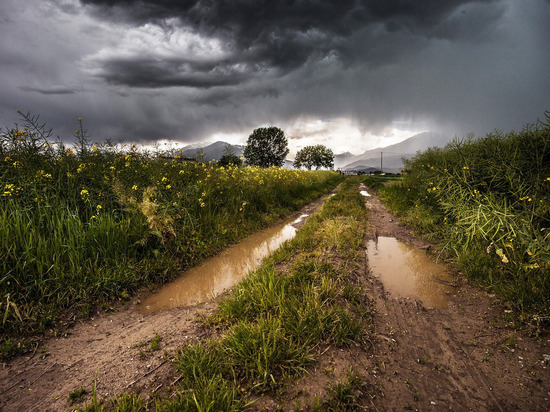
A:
x,y
212,151
345,154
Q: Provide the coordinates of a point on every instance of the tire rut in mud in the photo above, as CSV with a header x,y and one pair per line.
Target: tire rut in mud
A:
x,y
451,358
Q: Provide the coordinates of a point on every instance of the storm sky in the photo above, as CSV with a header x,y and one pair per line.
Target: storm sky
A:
x,y
350,74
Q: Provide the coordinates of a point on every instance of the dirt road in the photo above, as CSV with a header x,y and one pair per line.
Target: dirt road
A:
x,y
459,358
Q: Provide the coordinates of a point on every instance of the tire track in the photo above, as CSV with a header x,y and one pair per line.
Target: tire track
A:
x,y
430,359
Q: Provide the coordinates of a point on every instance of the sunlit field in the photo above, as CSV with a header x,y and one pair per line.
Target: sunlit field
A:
x,y
488,202
91,223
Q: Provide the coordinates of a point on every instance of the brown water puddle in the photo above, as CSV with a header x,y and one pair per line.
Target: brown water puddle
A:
x,y
220,272
409,272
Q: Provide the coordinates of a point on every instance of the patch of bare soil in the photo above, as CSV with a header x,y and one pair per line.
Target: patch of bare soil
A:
x,y
114,349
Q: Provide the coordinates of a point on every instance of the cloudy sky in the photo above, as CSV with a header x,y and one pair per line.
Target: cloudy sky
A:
x,y
351,74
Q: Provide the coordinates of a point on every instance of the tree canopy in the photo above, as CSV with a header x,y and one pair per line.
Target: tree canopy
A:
x,y
314,156
230,158
266,146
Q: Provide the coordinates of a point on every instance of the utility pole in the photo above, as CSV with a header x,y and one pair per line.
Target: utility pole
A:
x,y
381,162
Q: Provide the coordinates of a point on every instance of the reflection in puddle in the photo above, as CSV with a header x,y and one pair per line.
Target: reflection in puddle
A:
x,y
365,193
220,272
408,272
302,217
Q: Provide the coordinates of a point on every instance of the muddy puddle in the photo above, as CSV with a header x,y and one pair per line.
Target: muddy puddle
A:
x,y
409,272
221,272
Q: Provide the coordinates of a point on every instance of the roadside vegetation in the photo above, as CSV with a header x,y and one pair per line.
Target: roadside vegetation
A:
x,y
487,202
90,224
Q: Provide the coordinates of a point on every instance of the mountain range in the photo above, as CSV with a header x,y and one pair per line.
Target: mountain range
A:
x,y
212,151
388,158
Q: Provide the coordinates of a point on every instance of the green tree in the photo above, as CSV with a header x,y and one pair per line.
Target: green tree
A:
x,y
230,158
265,147
314,156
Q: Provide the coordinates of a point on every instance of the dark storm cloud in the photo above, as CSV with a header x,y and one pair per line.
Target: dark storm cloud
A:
x,y
275,36
151,73
50,90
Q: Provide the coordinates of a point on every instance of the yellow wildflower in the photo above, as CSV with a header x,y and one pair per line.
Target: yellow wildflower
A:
x,y
502,256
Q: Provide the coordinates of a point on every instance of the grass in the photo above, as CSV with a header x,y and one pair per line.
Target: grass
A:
x,y
487,202
77,395
377,182
155,342
344,396
88,225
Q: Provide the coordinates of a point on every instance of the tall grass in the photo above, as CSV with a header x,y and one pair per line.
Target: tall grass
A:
x,y
488,201
92,223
